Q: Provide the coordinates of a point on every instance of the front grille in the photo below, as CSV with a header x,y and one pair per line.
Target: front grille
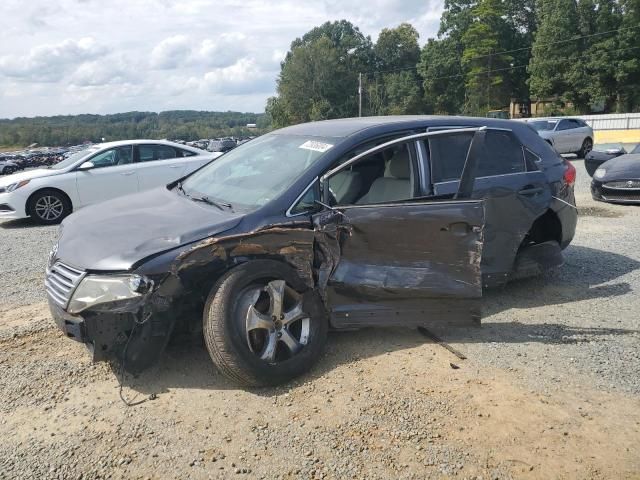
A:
x,y
624,184
620,195
61,281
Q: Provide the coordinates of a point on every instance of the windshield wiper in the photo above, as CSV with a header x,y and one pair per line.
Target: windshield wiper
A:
x,y
208,201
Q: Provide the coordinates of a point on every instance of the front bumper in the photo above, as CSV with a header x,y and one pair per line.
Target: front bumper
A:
x,y
12,206
104,334
601,192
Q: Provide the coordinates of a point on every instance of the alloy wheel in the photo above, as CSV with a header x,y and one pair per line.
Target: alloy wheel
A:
x,y
276,326
49,207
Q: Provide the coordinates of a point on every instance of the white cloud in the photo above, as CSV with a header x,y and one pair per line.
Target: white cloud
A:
x,y
243,77
170,52
90,56
50,62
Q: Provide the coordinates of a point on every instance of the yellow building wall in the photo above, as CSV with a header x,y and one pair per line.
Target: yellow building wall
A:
x,y
617,136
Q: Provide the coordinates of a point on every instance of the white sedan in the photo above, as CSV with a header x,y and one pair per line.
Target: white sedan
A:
x,y
98,173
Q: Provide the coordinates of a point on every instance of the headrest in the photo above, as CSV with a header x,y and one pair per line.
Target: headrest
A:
x,y
399,165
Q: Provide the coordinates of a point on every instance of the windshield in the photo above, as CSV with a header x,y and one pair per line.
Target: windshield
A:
x,y
74,158
254,173
540,125
636,150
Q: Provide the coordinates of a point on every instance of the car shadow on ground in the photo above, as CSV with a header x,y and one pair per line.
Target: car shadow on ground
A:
x,y
20,223
186,364
587,273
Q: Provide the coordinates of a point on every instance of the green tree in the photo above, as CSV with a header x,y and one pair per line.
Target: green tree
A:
x,y
627,65
442,79
602,52
487,78
397,48
319,76
557,67
397,89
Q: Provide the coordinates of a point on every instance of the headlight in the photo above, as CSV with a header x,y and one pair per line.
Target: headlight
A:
x,y
600,173
96,289
14,186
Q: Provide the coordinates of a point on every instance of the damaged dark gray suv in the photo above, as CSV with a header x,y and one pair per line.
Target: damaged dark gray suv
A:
x,y
336,224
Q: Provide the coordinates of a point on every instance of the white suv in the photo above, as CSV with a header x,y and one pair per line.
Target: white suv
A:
x,y
100,172
566,135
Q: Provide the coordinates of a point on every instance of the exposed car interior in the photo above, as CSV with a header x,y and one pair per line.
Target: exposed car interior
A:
x,y
381,177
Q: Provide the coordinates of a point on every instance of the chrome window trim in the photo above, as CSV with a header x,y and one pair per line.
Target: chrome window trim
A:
x,y
298,198
390,143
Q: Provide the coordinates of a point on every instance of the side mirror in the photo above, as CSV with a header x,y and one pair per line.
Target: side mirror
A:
x,y
86,166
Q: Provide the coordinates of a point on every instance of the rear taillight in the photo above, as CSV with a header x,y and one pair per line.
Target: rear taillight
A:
x,y
569,176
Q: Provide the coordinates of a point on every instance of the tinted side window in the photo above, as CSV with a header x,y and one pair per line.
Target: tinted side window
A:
x,y
112,157
502,154
148,153
185,153
307,202
164,152
448,154
568,125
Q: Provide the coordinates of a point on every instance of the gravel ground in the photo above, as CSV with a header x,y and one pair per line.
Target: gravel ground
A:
x,y
550,388
23,258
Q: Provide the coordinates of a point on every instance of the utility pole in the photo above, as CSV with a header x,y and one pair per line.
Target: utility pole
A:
x,y
360,94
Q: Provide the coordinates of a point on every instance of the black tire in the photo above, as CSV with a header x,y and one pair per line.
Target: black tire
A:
x,y
587,146
226,325
37,206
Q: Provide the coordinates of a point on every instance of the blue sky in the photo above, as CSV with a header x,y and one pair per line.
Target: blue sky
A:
x,y
91,56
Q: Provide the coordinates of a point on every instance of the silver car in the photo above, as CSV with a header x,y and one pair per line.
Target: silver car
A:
x,y
566,135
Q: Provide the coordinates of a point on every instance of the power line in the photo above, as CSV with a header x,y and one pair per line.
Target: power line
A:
x,y
556,42
514,50
513,67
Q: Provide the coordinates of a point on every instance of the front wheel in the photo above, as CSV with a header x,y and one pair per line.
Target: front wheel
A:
x,y
259,326
48,207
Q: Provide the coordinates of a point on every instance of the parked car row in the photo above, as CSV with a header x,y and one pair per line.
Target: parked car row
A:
x,y
13,163
342,223
217,144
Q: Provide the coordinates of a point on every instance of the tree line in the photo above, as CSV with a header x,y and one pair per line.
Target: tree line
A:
x,y
179,124
583,55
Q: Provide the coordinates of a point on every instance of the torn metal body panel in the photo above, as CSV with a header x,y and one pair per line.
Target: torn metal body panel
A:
x,y
436,254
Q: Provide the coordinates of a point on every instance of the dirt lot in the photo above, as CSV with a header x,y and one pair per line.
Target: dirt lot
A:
x,y
550,389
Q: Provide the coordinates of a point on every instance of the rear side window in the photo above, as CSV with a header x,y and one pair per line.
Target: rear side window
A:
x,y
502,154
149,153
185,153
569,124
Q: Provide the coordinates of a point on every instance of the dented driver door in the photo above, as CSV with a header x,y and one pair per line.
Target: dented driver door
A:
x,y
410,262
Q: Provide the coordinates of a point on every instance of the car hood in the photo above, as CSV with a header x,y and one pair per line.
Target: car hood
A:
x,y
622,167
118,234
28,175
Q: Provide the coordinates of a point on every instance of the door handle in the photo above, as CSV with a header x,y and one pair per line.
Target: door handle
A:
x,y
530,191
175,166
128,173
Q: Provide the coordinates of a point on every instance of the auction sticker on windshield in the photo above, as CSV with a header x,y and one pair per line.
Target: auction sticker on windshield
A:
x,y
316,146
